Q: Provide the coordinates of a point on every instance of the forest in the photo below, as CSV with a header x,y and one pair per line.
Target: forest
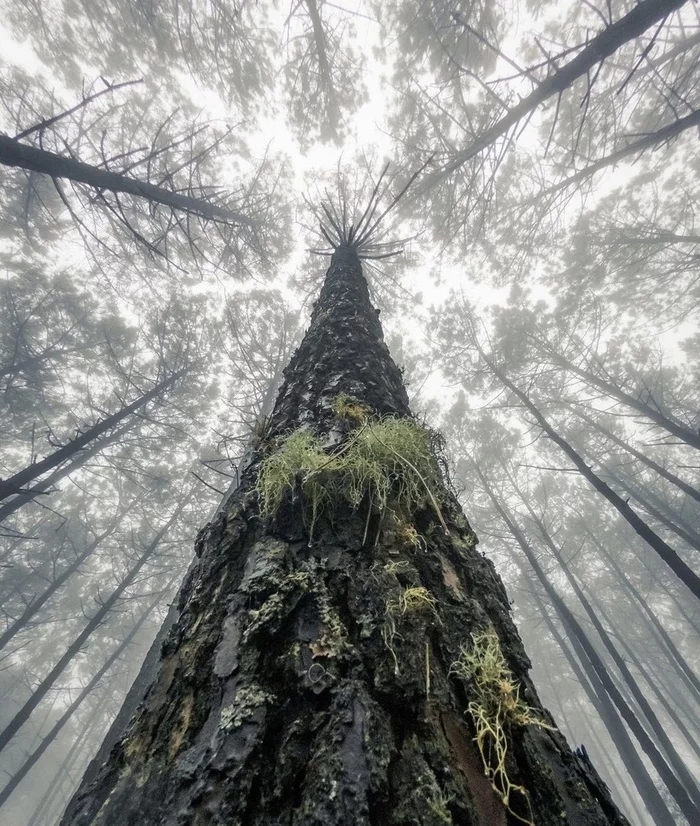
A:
x,y
299,302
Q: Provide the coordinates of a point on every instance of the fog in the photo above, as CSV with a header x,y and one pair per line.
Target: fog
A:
x,y
520,180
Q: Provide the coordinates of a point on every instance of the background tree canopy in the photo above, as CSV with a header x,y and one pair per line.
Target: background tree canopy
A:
x,y
162,167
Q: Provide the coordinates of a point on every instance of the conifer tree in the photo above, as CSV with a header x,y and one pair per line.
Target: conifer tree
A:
x,y
343,654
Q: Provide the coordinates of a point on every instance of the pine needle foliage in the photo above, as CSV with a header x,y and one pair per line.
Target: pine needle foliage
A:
x,y
497,708
388,463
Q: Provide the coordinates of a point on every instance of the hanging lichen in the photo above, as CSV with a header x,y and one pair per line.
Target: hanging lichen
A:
x,y
387,462
496,708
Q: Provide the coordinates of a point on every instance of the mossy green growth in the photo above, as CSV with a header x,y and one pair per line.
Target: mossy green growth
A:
x,y
347,407
248,699
496,707
388,461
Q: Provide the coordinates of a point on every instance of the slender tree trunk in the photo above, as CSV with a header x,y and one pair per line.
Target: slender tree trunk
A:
x,y
33,758
602,757
48,353
659,729
601,702
669,591
333,110
644,15
294,689
38,603
647,675
14,153
14,484
46,485
665,551
673,784
669,519
47,799
136,694
667,422
685,672
75,647
650,141
662,471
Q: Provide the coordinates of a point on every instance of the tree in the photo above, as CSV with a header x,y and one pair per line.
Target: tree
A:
x,y
105,606
14,485
341,641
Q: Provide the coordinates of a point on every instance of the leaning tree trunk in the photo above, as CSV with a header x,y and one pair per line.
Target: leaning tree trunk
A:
x,y
317,673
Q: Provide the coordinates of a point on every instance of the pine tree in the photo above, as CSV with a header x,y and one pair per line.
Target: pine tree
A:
x,y
343,653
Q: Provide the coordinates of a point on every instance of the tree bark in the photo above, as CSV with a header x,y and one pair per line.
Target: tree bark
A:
x,y
288,692
13,485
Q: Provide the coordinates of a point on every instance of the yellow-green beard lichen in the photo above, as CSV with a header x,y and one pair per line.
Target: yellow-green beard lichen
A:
x,y
389,461
347,407
497,706
247,700
411,601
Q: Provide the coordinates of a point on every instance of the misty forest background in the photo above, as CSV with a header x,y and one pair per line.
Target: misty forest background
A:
x,y
544,313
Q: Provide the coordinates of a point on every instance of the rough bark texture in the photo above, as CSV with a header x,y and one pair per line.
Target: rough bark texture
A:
x,y
282,699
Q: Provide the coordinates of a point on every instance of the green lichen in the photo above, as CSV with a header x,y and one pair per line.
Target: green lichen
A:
x,y
333,639
276,606
347,407
497,706
438,802
389,462
414,600
247,700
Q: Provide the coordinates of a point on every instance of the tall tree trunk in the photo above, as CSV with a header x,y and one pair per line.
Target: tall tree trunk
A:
x,y
671,520
588,678
33,758
63,770
135,695
658,728
13,485
664,550
685,672
45,485
75,647
38,602
673,784
650,141
662,471
666,421
667,589
302,683
647,673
